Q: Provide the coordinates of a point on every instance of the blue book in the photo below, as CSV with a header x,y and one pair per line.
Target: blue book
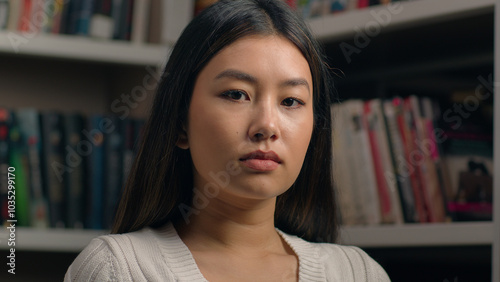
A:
x,y
94,134
113,159
53,168
75,180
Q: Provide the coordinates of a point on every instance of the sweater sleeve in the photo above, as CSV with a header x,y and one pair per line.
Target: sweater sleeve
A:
x,y
349,263
95,263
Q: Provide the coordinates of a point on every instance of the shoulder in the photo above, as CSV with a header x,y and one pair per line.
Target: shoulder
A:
x,y
119,257
351,263
335,262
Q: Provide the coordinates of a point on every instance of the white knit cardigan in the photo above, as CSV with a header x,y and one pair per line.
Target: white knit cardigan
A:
x,y
160,255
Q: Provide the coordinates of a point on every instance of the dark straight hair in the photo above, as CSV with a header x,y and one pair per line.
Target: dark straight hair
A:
x,y
161,179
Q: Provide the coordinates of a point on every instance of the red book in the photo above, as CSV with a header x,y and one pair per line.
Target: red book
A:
x,y
383,189
406,137
25,20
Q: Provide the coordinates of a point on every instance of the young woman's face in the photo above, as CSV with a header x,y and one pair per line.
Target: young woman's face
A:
x,y
250,119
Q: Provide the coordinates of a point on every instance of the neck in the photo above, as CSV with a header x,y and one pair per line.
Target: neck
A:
x,y
232,226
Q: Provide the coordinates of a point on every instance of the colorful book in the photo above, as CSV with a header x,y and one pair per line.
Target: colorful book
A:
x,y
18,159
401,175
29,126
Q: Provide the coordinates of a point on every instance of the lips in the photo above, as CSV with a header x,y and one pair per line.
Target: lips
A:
x,y
261,161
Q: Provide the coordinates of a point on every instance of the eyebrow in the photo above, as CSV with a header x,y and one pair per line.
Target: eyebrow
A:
x,y
231,73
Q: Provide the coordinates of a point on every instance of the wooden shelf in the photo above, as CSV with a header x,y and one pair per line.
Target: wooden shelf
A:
x,y
415,235
411,13
83,48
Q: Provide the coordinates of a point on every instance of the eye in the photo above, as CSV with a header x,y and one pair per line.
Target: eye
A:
x,y
292,102
237,95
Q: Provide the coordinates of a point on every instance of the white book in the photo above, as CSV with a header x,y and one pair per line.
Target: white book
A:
x,y
15,10
362,156
140,21
349,209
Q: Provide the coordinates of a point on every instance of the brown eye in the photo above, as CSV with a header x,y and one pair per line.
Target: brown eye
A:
x,y
235,95
291,102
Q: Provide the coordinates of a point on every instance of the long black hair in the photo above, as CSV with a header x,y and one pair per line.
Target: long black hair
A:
x,y
160,183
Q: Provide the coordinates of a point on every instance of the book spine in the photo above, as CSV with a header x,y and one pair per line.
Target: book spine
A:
x,y
113,150
404,132
29,124
140,21
53,168
370,123
402,179
4,13
74,178
18,159
94,208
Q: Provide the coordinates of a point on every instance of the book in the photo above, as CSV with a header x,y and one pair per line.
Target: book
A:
x,y
113,167
24,22
52,167
401,174
57,16
95,173
18,159
140,21
29,127
76,150
15,11
425,165
345,182
363,163
83,17
4,13
403,119
382,159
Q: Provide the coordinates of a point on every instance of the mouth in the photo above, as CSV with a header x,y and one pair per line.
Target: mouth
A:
x,y
261,161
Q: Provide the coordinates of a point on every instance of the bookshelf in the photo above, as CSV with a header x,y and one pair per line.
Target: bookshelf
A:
x,y
115,57
417,19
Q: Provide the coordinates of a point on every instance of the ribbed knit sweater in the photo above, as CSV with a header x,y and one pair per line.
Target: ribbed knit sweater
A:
x,y
160,255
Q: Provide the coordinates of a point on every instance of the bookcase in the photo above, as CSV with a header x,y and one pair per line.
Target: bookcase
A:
x,y
80,74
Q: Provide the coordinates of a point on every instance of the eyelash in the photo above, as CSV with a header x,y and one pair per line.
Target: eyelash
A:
x,y
227,94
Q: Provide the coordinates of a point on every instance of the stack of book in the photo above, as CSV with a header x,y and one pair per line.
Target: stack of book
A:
x,y
69,169
139,21
389,164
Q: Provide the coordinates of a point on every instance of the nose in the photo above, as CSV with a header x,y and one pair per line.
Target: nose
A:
x,y
264,123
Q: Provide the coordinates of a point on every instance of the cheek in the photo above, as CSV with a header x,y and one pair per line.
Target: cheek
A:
x,y
210,134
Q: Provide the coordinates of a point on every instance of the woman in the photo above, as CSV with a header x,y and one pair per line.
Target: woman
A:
x,y
233,178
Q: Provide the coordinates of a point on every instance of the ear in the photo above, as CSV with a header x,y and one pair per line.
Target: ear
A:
x,y
182,141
